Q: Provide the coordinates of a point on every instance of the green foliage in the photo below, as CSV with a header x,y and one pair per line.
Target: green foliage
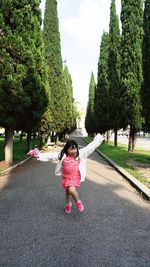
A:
x,y
20,148
89,118
101,102
23,87
131,63
146,67
70,114
51,37
122,158
114,69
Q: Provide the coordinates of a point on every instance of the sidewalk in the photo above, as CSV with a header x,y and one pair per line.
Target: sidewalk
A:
x,y
144,190
113,231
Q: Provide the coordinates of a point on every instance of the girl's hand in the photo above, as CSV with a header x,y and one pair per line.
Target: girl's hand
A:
x,y
98,138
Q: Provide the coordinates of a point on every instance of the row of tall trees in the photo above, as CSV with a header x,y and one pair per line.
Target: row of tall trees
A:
x,y
63,112
146,67
23,86
122,92
131,66
35,89
89,119
101,100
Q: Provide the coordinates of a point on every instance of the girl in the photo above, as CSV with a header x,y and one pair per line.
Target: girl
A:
x,y
72,168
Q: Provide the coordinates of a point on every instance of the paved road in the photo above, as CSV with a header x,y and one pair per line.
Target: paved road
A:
x,y
113,231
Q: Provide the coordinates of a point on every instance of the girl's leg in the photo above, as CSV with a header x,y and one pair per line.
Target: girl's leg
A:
x,y
71,191
68,201
68,196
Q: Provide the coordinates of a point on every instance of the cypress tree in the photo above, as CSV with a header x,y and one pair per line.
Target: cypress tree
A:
x,y
89,118
70,120
114,70
146,67
131,66
101,102
35,84
53,56
11,74
23,93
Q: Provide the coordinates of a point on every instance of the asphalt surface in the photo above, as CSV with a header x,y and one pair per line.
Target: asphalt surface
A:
x,y
113,231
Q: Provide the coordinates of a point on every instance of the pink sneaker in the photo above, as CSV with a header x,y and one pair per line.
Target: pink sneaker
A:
x,y
68,208
80,206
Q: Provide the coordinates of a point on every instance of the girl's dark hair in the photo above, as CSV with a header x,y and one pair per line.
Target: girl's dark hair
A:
x,y
69,144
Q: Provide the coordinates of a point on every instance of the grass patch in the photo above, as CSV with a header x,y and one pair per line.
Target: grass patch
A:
x,y
121,156
19,148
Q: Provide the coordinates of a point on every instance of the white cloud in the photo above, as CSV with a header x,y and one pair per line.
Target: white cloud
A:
x,y
85,27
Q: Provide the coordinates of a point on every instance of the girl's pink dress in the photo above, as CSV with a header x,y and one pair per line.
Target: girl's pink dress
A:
x,y
70,172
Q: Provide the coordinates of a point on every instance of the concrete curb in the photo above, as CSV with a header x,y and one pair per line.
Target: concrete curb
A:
x,y
140,186
14,166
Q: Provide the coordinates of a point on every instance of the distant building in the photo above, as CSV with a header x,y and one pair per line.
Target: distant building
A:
x,y
80,130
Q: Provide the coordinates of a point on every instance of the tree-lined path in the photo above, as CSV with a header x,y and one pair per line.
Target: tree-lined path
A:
x,y
113,231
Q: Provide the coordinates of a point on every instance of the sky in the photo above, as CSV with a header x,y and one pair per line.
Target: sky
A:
x,y
81,25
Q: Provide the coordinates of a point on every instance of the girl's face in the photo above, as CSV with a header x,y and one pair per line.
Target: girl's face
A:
x,y
72,151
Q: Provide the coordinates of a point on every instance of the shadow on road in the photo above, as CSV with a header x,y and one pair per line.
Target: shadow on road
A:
x,y
114,230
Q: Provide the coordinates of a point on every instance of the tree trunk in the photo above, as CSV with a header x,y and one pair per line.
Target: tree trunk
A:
x,y
108,136
115,137
29,144
9,145
130,143
132,140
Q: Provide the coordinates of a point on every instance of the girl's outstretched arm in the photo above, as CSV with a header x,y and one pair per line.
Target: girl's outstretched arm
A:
x,y
35,153
48,156
89,149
